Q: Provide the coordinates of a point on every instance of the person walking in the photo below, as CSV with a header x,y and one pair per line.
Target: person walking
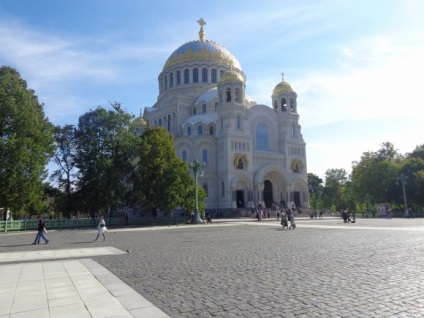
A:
x,y
101,228
260,215
41,231
284,220
290,216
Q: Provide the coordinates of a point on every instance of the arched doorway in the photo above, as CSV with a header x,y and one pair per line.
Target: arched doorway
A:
x,y
240,198
268,198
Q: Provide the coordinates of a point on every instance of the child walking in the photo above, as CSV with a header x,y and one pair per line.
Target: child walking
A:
x,y
101,228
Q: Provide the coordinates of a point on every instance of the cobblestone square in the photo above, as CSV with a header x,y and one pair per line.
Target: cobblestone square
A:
x,y
324,268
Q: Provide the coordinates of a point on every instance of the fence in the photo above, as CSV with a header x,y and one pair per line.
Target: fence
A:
x,y
24,225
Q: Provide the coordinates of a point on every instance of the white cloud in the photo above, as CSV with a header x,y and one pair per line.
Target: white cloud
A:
x,y
374,81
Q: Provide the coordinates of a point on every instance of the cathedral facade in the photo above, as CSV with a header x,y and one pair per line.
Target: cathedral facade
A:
x,y
250,152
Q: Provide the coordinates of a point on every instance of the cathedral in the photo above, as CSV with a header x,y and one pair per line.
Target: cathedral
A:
x,y
250,153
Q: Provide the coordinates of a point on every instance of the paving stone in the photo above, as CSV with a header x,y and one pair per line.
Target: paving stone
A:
x,y
372,268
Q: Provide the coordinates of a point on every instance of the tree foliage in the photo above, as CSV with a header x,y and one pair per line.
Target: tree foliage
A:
x,y
335,180
64,158
26,144
162,180
315,189
103,158
375,174
413,168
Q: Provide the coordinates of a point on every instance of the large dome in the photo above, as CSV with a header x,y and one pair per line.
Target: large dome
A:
x,y
202,51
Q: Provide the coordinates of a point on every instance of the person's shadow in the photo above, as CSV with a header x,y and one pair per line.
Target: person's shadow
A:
x,y
16,245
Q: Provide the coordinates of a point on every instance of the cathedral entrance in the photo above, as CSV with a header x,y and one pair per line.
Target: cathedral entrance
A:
x,y
240,198
268,198
296,197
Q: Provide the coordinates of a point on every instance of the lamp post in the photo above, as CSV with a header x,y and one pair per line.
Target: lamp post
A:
x,y
403,180
195,166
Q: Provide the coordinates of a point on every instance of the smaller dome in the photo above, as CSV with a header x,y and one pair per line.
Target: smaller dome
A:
x,y
231,76
139,121
208,118
282,88
207,96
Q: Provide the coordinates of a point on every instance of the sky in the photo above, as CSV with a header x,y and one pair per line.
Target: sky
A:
x,y
357,66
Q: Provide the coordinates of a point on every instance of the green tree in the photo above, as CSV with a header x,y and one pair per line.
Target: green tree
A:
x,y
161,179
64,158
315,188
26,143
335,180
413,168
189,204
373,177
327,198
104,158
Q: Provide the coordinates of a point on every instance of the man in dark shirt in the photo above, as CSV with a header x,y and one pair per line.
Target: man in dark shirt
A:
x,y
41,231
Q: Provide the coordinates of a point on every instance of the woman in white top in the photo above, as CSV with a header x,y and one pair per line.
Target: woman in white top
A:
x,y
101,228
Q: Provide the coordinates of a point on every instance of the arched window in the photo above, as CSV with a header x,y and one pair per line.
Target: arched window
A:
x,y
166,82
160,122
283,105
195,75
237,95
221,72
171,80
204,108
205,157
240,164
261,137
211,130
214,78
178,78
169,122
204,75
216,106
189,131
228,95
186,76
205,187
292,105
222,189
200,130
275,104
238,122
184,157
293,130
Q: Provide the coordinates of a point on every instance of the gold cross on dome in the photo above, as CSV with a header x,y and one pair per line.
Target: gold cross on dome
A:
x,y
201,22
201,32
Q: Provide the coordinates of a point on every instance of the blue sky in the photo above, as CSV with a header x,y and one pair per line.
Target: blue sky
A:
x,y
357,66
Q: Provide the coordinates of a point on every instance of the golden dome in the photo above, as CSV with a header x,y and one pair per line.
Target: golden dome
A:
x,y
202,50
231,76
139,121
282,88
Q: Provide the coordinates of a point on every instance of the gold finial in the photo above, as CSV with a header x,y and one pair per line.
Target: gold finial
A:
x,y
201,32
